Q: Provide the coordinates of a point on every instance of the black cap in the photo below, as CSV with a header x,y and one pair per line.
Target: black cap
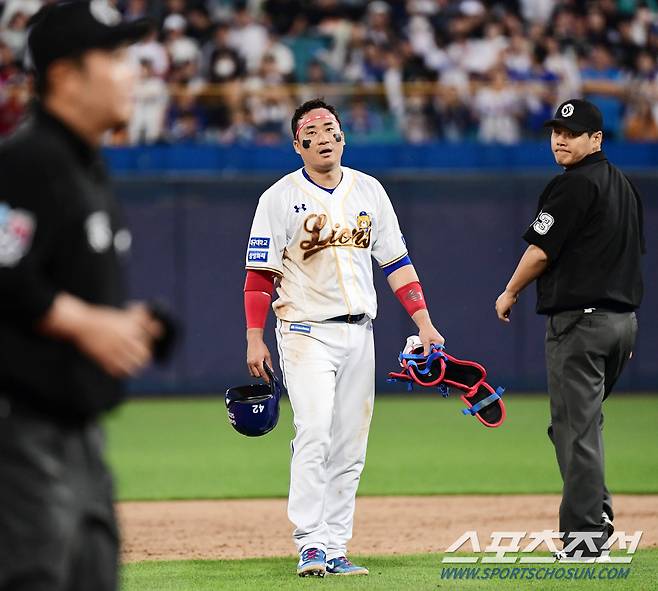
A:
x,y
68,29
577,115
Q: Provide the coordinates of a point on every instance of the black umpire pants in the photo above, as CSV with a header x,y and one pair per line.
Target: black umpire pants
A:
x,y
57,524
585,355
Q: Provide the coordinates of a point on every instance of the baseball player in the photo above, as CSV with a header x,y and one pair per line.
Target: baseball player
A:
x,y
585,250
313,235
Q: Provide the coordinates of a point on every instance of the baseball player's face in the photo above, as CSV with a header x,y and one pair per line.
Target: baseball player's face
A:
x,y
570,147
320,142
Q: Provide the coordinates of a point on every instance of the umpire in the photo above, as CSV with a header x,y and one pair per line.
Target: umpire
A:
x,y
66,341
585,247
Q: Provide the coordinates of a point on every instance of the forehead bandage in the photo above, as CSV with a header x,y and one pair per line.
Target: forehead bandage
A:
x,y
306,121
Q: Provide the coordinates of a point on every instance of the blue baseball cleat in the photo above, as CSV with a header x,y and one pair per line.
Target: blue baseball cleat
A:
x,y
312,563
342,566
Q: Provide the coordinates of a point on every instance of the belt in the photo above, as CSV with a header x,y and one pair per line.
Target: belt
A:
x,y
349,318
607,307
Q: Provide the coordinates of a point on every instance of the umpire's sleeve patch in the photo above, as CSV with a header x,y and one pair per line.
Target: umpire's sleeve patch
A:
x,y
16,232
543,223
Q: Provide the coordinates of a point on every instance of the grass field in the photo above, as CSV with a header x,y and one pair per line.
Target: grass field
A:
x,y
177,449
390,573
185,449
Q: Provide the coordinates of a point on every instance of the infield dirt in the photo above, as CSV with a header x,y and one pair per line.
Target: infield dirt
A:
x,y
235,529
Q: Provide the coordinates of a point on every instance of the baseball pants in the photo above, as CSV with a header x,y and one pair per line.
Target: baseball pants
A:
x,y
329,372
57,524
585,355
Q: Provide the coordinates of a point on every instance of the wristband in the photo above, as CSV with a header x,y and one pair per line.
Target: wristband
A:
x,y
411,297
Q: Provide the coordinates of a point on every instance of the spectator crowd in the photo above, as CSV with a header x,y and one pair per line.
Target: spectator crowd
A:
x,y
415,70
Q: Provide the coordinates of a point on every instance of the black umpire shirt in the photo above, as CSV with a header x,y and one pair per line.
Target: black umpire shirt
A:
x,y
59,232
589,223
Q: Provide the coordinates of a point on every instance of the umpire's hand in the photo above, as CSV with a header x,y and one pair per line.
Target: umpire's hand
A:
x,y
118,340
504,304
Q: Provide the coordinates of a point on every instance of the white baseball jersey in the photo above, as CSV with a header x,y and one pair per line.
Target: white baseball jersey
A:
x,y
320,244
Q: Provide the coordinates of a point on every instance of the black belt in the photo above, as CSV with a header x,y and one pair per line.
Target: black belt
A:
x,y
349,318
604,307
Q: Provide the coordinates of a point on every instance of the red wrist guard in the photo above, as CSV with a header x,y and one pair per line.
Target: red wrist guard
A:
x,y
258,289
411,297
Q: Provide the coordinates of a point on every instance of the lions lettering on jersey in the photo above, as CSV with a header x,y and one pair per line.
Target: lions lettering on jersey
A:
x,y
358,237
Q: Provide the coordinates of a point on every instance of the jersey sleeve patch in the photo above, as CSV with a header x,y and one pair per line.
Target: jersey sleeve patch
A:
x,y
543,223
258,251
16,232
257,256
259,243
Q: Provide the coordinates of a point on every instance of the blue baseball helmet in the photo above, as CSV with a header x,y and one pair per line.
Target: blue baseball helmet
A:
x,y
253,410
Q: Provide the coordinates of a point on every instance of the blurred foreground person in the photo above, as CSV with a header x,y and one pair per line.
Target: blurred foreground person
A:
x,y
66,339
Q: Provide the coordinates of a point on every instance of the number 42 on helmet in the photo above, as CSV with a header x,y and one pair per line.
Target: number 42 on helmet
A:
x,y
253,410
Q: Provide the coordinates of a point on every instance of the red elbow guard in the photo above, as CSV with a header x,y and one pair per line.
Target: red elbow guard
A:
x,y
411,297
258,288
259,281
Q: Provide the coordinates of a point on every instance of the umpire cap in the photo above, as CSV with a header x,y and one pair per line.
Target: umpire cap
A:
x,y
69,29
577,115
